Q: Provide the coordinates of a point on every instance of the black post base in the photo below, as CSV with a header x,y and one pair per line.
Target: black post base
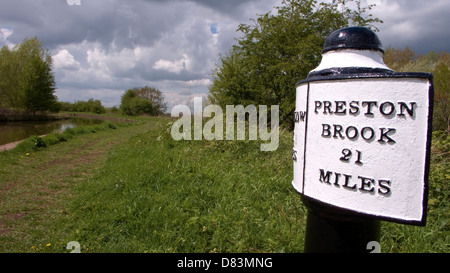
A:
x,y
332,232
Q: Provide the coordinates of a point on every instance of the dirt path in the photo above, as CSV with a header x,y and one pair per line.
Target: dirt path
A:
x,y
12,145
9,146
41,179
35,187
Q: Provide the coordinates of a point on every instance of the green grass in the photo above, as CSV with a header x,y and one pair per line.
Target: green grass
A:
x,y
37,183
35,143
190,196
145,192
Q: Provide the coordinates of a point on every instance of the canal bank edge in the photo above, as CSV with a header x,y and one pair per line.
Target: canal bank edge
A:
x,y
10,146
12,115
15,115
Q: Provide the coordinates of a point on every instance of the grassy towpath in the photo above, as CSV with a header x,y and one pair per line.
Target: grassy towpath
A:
x,y
135,189
36,187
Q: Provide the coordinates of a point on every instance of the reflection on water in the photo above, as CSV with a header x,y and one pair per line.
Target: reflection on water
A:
x,y
18,130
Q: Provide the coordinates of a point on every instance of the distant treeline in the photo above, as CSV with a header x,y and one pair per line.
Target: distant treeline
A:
x,y
134,102
91,106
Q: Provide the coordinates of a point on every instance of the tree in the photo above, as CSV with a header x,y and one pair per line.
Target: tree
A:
x,y
395,58
132,105
125,102
278,50
441,113
8,79
406,60
145,100
37,84
27,78
156,98
93,106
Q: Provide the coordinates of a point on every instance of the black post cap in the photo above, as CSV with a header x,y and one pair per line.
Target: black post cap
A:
x,y
353,38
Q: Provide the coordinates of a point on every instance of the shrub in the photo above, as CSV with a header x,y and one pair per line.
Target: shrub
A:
x,y
92,106
133,105
38,142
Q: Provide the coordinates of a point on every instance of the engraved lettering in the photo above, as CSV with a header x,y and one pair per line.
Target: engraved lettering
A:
x,y
369,105
367,184
327,107
384,134
340,107
354,107
363,183
410,110
384,187
370,108
325,178
387,108
352,132
299,116
326,130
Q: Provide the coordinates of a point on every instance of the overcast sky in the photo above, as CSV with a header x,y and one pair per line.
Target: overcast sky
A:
x,y
103,47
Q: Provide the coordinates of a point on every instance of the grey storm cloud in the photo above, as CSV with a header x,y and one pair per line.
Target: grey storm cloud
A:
x,y
420,25
229,6
126,23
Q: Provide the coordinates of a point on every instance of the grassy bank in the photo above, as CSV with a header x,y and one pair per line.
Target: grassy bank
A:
x,y
18,115
135,189
37,181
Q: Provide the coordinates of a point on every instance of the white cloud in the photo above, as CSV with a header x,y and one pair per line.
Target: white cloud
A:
x,y
97,59
173,66
64,60
4,35
201,82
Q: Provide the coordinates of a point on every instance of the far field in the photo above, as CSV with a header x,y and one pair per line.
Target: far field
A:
x,y
129,187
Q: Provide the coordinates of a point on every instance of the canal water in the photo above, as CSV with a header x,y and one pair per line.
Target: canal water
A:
x,y
19,130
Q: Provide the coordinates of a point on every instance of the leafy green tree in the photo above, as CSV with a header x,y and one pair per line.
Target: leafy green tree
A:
x,y
37,85
145,100
133,105
278,50
125,102
8,80
27,79
155,96
142,106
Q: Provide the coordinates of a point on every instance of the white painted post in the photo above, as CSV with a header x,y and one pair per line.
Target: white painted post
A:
x,y
361,144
